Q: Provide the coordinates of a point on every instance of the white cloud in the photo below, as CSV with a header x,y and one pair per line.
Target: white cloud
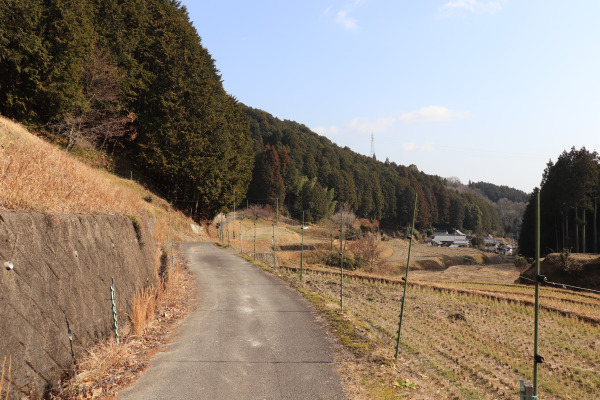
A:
x,y
424,114
343,17
364,125
471,6
347,22
428,147
432,113
321,130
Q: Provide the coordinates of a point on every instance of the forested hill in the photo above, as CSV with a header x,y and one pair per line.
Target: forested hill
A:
x,y
495,192
312,174
129,76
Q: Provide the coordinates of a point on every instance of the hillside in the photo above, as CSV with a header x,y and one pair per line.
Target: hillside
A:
x,y
37,176
310,172
132,79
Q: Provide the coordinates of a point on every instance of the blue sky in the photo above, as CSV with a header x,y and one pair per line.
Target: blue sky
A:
x,y
482,90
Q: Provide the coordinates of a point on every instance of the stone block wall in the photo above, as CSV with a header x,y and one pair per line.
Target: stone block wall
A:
x,y
62,267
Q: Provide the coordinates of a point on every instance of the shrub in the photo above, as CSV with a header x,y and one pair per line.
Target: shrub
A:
x,y
521,263
138,228
333,260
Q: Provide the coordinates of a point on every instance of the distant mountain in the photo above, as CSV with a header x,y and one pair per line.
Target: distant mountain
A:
x,y
495,192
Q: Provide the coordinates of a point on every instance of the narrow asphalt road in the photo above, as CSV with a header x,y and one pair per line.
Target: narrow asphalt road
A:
x,y
251,337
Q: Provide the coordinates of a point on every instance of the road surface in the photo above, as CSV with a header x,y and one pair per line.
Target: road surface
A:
x,y
251,337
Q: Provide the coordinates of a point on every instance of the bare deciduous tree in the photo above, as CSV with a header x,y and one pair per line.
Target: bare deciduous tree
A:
x,y
104,120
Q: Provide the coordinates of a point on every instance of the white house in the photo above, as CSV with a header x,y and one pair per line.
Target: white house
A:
x,y
455,239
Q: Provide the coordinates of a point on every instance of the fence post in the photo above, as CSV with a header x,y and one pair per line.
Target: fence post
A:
x,y
114,310
412,233
274,249
537,359
241,239
254,235
342,260
302,248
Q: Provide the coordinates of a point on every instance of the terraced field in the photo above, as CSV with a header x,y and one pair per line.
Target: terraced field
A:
x,y
475,340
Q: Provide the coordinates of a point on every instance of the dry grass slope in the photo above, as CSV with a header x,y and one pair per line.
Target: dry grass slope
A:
x,y
37,176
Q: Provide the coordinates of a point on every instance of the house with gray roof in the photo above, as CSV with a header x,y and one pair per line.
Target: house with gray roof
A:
x,y
454,239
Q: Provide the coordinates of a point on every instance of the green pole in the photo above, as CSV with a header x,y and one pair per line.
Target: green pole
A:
x,y
254,235
274,250
114,310
412,229
342,260
241,239
536,357
302,248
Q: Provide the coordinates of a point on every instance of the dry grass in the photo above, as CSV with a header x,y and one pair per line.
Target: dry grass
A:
x,y
144,308
5,370
34,175
37,176
470,340
107,367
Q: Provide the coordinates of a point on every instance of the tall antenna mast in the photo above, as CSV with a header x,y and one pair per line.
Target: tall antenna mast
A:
x,y
372,146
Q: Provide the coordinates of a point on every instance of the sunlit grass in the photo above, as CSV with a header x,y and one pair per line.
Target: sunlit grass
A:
x,y
37,176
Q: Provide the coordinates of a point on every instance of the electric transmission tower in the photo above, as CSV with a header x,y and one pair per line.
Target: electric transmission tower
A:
x,y
372,146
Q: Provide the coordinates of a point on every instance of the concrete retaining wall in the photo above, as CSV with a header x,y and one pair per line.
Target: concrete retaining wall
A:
x,y
62,270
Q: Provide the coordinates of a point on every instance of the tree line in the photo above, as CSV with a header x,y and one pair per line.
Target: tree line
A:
x,y
309,173
569,195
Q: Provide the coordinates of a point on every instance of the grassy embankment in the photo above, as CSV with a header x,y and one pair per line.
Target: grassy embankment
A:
x,y
37,176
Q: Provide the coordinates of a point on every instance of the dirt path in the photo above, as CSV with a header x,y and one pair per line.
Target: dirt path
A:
x,y
252,337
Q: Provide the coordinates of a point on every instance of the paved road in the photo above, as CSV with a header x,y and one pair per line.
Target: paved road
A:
x,y
252,337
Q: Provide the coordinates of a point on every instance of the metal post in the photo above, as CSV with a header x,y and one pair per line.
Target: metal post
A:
x,y
254,235
241,239
169,231
274,250
412,227
302,248
342,260
536,357
277,211
114,310
70,334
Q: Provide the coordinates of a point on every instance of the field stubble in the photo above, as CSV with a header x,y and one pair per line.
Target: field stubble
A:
x,y
474,340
